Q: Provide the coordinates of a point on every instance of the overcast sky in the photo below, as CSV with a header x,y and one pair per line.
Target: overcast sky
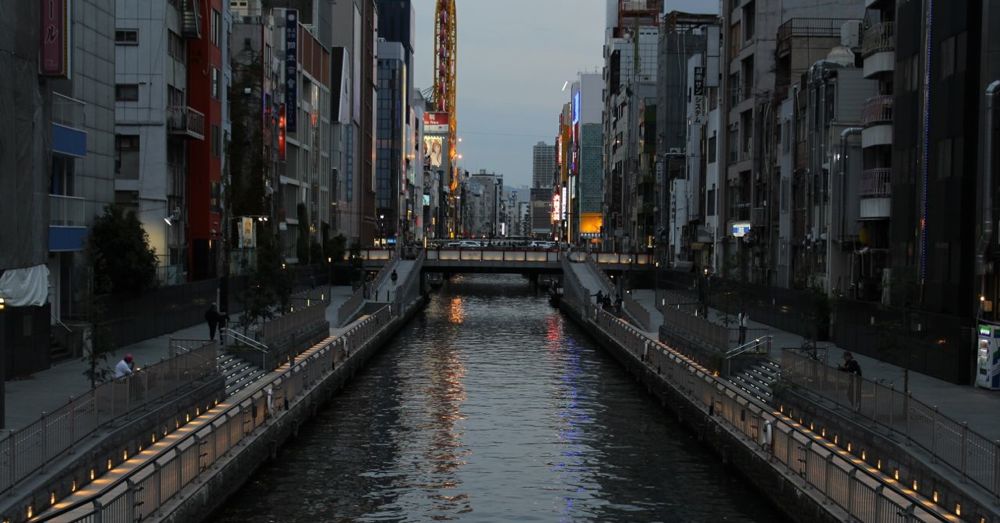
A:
x,y
513,58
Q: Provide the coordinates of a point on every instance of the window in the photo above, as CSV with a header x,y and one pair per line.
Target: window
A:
x,y
127,93
749,12
947,57
216,141
62,178
712,145
175,46
215,83
216,28
126,157
175,96
710,204
127,37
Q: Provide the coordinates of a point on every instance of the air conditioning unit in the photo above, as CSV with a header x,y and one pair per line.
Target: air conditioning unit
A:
x,y
850,34
675,150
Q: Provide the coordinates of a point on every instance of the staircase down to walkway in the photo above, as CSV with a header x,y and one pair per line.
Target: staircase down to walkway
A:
x,y
759,379
238,372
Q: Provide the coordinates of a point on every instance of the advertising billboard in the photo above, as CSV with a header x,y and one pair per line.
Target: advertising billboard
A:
x,y
433,151
435,123
54,52
291,69
247,237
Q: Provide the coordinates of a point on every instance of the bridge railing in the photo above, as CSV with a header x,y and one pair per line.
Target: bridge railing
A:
x,y
968,452
28,449
853,487
141,492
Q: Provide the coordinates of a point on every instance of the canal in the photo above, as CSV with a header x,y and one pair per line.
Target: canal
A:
x,y
492,406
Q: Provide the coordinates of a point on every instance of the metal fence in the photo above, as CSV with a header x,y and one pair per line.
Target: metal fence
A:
x,y
973,455
26,450
696,329
145,489
852,487
296,319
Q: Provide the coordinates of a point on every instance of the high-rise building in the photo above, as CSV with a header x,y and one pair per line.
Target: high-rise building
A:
x,y
586,155
391,126
543,164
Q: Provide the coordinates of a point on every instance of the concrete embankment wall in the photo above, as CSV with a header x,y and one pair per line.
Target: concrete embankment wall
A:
x,y
782,488
198,501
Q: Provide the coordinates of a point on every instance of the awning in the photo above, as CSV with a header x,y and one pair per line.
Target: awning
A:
x,y
25,287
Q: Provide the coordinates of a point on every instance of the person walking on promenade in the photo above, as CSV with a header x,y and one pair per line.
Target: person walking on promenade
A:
x,y
743,319
394,277
851,366
213,318
124,367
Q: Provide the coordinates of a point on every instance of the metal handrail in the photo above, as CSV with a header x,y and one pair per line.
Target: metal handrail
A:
x,y
246,340
159,479
968,452
849,483
30,448
752,345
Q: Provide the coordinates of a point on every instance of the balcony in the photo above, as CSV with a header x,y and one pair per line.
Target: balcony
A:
x,y
875,193
878,48
876,183
67,223
67,111
186,121
66,211
876,116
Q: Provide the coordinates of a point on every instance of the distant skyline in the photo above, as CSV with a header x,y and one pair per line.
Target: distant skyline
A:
x,y
513,58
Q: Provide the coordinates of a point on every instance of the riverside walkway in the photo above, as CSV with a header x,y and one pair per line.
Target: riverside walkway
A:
x,y
807,459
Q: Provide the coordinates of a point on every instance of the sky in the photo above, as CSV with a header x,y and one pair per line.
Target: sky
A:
x,y
513,58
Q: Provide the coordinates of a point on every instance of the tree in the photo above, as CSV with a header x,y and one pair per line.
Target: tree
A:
x,y
119,253
98,342
269,284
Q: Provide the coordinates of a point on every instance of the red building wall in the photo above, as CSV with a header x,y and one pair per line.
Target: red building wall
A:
x,y
204,176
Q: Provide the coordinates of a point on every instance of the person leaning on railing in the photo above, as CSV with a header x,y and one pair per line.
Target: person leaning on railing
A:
x,y
851,366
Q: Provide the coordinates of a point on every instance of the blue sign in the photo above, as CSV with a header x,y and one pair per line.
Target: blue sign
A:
x,y
576,107
291,69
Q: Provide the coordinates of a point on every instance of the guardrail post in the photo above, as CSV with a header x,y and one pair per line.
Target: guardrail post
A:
x,y
98,512
826,476
965,447
13,456
850,490
934,435
45,439
906,412
72,424
130,498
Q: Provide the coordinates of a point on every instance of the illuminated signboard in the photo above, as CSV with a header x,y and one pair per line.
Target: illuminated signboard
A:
x,y
291,68
436,123
282,123
433,151
556,206
739,229
565,202
54,50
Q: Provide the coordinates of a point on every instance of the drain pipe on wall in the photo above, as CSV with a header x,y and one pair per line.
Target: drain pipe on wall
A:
x,y
855,131
985,189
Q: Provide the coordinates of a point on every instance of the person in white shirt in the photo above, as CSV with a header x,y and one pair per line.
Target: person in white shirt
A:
x,y
124,367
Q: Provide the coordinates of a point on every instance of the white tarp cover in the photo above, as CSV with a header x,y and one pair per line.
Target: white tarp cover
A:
x,y
25,287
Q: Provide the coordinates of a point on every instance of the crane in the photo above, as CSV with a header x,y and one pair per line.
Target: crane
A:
x,y
445,72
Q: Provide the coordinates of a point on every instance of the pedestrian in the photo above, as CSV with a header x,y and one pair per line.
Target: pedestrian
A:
x,y
600,296
394,277
212,317
124,367
852,367
744,318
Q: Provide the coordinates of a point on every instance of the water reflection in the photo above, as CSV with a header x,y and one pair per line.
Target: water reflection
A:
x,y
491,407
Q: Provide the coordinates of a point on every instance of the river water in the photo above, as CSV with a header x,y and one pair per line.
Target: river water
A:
x,y
492,406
